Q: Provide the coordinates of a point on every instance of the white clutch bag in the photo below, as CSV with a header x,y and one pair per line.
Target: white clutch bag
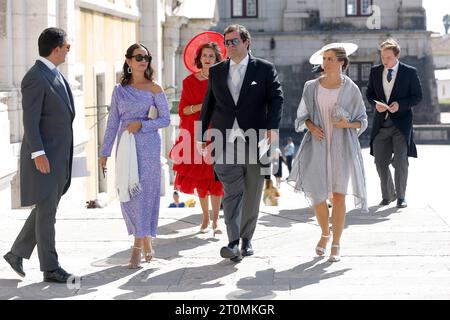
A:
x,y
152,113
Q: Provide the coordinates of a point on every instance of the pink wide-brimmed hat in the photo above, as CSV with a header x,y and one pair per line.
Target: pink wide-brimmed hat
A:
x,y
191,49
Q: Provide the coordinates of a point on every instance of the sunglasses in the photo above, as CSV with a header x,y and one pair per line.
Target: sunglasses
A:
x,y
140,57
234,41
66,45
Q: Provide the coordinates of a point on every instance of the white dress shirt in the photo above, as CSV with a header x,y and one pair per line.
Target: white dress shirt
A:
x,y
235,90
388,86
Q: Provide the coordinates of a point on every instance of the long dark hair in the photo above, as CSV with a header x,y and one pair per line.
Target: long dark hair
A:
x,y
126,76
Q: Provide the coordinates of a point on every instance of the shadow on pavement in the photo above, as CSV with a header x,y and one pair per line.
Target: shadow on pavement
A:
x,y
45,290
179,280
355,217
286,218
303,275
194,220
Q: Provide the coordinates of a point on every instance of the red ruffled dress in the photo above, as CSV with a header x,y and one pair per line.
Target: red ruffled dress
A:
x,y
192,177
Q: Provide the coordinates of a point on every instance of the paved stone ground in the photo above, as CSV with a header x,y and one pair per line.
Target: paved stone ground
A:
x,y
388,254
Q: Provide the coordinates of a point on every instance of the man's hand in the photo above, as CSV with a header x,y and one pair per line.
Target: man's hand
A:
x,y
42,164
394,107
380,108
271,135
134,126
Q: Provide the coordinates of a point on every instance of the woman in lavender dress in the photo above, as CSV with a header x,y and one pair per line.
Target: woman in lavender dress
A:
x,y
130,104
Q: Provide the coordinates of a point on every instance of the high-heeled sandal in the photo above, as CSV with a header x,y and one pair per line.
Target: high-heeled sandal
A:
x,y
216,230
321,251
135,265
148,256
335,257
205,229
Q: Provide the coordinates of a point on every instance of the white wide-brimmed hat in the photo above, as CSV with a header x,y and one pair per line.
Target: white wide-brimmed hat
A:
x,y
317,57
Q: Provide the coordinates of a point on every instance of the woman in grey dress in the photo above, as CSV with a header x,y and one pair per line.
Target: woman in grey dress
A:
x,y
130,105
328,164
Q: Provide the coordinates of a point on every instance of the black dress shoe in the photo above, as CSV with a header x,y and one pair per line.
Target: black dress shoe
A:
x,y
15,262
59,276
401,203
246,248
230,252
386,202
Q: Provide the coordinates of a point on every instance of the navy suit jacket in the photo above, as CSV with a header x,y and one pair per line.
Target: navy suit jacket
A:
x,y
407,91
260,102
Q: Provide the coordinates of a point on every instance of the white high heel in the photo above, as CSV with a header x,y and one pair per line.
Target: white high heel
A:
x,y
321,251
335,257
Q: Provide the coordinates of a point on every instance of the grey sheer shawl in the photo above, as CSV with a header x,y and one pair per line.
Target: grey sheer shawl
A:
x,y
309,168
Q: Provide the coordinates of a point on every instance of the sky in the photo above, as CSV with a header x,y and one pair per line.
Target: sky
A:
x,y
435,10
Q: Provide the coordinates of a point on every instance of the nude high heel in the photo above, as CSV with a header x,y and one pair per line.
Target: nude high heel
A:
x,y
335,257
136,264
319,250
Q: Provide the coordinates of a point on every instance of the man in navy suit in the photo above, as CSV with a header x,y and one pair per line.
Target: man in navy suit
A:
x,y
398,87
244,95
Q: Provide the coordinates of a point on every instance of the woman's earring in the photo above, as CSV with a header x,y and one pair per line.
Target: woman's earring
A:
x,y
130,70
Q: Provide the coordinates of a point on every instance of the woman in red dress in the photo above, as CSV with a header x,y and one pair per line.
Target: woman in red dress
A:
x,y
193,174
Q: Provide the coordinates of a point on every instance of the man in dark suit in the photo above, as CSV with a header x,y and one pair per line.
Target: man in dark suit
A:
x,y
45,155
244,98
397,85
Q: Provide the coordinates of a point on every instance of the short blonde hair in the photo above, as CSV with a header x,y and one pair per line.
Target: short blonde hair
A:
x,y
390,44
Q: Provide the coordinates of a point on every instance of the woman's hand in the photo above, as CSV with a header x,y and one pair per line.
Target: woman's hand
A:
x,y
134,126
103,161
316,131
342,124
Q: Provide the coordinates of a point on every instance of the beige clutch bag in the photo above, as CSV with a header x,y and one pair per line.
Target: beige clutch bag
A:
x,y
152,113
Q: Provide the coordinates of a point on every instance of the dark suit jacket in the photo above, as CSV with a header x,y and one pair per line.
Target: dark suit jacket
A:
x,y
47,122
407,91
259,105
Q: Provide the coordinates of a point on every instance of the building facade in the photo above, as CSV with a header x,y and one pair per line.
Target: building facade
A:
x,y
288,32
99,31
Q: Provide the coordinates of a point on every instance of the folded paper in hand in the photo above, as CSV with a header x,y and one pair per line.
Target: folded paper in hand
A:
x,y
263,146
152,113
382,104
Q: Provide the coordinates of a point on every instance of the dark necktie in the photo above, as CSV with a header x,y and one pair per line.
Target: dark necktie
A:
x,y
61,80
389,75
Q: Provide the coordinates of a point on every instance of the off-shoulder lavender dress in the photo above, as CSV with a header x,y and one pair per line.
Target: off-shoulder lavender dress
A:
x,y
130,104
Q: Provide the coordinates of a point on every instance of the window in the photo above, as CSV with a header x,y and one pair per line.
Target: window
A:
x,y
359,72
244,8
357,8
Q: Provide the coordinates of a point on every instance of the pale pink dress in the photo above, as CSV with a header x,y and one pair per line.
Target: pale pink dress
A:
x,y
327,98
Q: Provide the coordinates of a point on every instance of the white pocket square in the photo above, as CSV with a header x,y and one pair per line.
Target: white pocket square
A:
x,y
254,83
